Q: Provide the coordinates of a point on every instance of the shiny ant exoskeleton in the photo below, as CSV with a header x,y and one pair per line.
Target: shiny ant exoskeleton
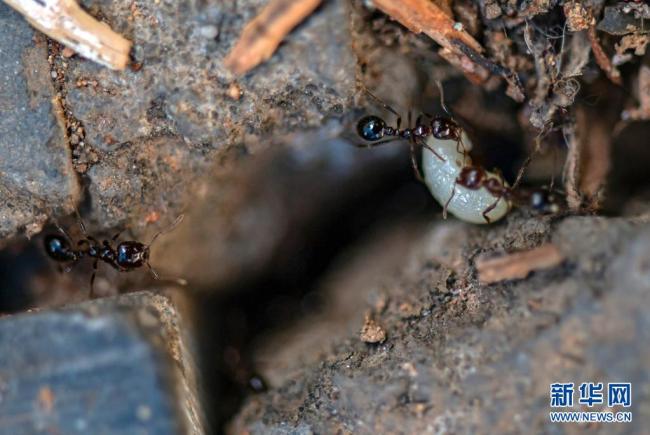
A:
x,y
374,129
475,177
483,197
543,201
126,256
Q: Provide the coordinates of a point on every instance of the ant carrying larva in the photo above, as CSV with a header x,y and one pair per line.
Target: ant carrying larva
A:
x,y
469,192
374,129
128,255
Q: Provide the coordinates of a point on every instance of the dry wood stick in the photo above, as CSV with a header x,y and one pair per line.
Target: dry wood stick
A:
x,y
424,16
518,264
262,36
65,22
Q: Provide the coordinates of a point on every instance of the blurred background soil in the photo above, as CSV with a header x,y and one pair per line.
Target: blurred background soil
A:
x,y
327,293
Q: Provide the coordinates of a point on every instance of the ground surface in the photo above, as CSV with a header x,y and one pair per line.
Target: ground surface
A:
x,y
325,270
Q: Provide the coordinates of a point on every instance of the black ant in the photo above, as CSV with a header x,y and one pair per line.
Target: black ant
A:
x,y
374,129
475,177
127,256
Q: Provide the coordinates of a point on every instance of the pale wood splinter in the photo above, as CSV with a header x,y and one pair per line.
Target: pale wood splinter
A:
x,y
65,22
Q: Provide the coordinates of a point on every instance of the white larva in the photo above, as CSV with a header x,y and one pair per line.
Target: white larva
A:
x,y
440,176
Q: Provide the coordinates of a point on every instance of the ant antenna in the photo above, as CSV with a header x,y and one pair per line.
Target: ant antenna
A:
x,y
178,220
62,231
461,148
81,222
442,97
154,274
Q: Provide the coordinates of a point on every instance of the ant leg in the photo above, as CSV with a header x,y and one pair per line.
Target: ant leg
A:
x,y
489,209
555,159
374,144
524,166
414,162
423,144
444,209
114,238
462,149
92,280
383,104
520,174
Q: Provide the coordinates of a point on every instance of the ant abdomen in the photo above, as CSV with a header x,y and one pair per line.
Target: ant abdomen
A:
x,y
371,128
58,248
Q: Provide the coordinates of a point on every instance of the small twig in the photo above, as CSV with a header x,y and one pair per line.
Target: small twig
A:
x,y
641,113
588,160
516,89
602,59
571,173
595,160
424,16
518,265
67,23
262,36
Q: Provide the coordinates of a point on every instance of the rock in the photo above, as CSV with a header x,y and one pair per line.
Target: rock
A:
x,y
181,99
246,219
117,365
36,175
476,359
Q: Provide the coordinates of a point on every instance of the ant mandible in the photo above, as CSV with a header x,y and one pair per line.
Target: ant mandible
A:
x,y
128,255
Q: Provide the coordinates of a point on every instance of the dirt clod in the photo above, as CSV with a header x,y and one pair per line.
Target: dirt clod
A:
x,y
371,332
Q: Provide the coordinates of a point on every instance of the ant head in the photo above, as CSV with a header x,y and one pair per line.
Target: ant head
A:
x,y
131,254
544,201
57,247
445,128
371,128
470,177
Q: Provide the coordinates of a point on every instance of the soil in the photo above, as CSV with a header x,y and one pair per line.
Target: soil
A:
x,y
325,290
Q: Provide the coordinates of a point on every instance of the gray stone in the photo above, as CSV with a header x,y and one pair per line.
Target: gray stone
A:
x,y
112,366
36,174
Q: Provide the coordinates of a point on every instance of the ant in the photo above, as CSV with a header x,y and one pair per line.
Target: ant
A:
x,y
475,177
127,256
373,129
544,201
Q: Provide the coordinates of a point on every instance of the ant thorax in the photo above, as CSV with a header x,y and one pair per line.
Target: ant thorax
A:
x,y
441,177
